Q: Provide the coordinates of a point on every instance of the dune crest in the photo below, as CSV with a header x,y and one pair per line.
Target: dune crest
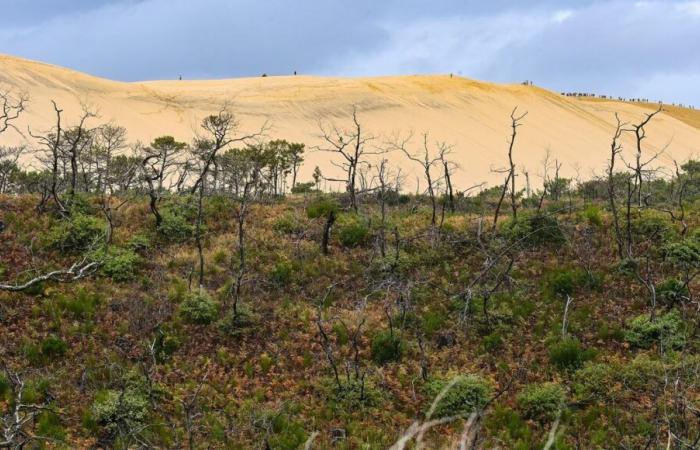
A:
x,y
470,115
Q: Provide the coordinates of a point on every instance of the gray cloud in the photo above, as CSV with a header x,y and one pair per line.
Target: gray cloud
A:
x,y
620,47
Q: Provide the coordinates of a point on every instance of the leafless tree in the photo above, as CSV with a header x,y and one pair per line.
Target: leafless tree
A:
x,y
10,109
640,134
351,144
219,132
74,142
51,141
509,183
615,149
427,162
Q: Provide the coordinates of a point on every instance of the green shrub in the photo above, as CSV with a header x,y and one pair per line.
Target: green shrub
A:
x,y
304,188
321,206
541,401
48,425
564,282
352,395
53,347
139,243
266,363
289,223
116,409
534,230
685,253
386,347
164,345
593,214
595,381
468,394
433,321
671,292
175,227
76,234
198,307
352,230
80,306
282,273
120,264
568,354
287,434
493,341
653,226
667,329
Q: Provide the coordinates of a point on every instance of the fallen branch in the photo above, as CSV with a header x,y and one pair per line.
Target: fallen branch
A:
x,y
75,272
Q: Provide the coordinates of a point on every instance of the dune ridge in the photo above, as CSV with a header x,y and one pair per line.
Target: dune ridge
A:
x,y
472,116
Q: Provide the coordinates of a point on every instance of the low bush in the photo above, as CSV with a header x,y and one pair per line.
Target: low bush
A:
x,y
82,305
653,226
352,230
124,409
321,206
594,381
282,272
386,347
666,329
288,224
534,230
199,308
175,227
139,243
120,264
568,354
304,188
593,215
53,347
671,292
467,394
76,234
541,401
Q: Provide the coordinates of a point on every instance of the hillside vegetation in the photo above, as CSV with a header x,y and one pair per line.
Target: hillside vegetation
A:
x,y
202,296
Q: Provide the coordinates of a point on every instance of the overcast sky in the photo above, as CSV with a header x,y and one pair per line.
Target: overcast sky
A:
x,y
623,47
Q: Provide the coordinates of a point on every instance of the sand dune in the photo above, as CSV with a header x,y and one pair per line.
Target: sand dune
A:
x,y
472,116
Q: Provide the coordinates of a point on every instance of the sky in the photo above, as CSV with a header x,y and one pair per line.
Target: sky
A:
x,y
640,49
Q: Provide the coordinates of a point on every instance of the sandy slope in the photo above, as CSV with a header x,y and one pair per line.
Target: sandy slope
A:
x,y
473,116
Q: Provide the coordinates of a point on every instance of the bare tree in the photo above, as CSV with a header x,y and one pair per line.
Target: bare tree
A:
x,y
220,132
615,149
640,134
427,162
75,140
351,145
51,140
509,182
10,109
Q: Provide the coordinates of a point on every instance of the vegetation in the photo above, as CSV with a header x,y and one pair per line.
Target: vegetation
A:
x,y
184,297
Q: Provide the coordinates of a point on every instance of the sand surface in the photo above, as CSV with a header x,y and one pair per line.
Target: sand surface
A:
x,y
471,116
